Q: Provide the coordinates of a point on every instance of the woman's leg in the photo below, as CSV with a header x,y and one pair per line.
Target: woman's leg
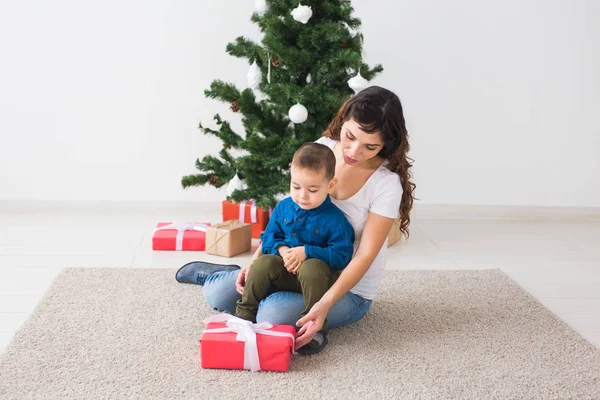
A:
x,y
280,307
285,308
219,291
196,272
349,309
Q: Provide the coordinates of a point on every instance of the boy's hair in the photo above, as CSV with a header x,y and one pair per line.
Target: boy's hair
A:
x,y
315,157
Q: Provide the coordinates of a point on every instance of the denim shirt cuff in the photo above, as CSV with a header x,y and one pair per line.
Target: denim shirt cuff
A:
x,y
307,251
276,246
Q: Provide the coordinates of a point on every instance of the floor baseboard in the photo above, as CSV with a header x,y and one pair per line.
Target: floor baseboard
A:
x,y
523,213
420,211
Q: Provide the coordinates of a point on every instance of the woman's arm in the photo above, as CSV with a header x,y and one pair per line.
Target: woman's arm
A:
x,y
257,253
374,234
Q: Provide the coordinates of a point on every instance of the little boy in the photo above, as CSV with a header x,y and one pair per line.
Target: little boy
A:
x,y
308,240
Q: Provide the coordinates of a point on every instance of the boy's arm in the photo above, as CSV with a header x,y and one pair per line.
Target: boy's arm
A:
x,y
339,249
273,236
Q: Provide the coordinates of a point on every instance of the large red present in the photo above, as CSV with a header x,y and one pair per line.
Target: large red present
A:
x,y
229,342
248,212
179,236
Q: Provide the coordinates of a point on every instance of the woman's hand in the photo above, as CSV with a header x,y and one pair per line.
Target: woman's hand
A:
x,y
311,323
240,282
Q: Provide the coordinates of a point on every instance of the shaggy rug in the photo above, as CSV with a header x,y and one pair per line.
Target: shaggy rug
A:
x,y
133,333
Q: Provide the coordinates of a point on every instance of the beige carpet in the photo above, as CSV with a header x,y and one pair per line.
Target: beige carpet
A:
x,y
133,333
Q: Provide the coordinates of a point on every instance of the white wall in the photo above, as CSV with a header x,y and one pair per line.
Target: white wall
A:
x,y
101,100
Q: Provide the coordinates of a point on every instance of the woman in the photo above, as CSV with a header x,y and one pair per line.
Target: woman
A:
x,y
370,142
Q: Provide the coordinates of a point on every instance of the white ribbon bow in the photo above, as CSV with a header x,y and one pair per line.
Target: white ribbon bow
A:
x,y
253,216
181,228
246,332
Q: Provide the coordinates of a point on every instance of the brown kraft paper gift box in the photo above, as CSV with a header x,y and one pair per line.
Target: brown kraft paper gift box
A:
x,y
394,235
228,238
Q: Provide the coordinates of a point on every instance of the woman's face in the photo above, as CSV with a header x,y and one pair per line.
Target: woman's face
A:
x,y
358,145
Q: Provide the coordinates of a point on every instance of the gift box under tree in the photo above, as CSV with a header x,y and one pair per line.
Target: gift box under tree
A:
x,y
180,236
247,211
394,235
228,238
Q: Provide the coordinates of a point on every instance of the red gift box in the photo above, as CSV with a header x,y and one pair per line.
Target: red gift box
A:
x,y
247,212
222,350
179,236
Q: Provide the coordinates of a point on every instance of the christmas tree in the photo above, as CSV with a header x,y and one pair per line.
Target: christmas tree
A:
x,y
307,64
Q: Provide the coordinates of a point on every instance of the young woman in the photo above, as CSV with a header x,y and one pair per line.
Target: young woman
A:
x,y
369,139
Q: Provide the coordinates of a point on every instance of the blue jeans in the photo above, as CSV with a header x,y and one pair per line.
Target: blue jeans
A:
x,y
281,307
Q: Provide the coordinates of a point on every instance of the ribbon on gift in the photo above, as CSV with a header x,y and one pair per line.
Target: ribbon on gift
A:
x,y
181,227
253,216
246,332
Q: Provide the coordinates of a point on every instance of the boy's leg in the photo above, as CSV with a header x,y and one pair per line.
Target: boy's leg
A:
x,y
267,270
315,279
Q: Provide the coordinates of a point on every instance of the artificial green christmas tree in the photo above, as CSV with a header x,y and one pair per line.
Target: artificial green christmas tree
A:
x,y
308,63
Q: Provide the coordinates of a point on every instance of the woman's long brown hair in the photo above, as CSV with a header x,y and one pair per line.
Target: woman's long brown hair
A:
x,y
377,109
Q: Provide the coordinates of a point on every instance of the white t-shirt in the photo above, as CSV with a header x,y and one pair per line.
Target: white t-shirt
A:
x,y
381,194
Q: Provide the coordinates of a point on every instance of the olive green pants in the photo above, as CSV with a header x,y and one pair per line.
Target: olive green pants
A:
x,y
313,279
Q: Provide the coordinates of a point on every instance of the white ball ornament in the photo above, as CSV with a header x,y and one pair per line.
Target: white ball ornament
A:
x,y
235,184
358,83
298,113
254,76
351,31
302,13
260,6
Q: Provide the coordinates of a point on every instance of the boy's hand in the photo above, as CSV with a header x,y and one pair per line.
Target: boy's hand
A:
x,y
282,250
295,258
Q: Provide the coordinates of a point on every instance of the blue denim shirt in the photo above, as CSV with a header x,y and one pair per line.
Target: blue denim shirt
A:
x,y
324,231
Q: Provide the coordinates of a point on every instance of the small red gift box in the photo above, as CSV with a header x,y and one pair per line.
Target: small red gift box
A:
x,y
223,350
179,236
248,212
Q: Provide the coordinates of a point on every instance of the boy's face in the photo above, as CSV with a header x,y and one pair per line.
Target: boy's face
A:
x,y
308,188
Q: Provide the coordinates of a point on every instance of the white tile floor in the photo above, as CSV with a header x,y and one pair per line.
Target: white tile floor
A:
x,y
555,259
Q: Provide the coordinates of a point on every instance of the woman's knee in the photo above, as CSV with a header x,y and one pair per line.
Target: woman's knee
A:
x,y
281,308
348,310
